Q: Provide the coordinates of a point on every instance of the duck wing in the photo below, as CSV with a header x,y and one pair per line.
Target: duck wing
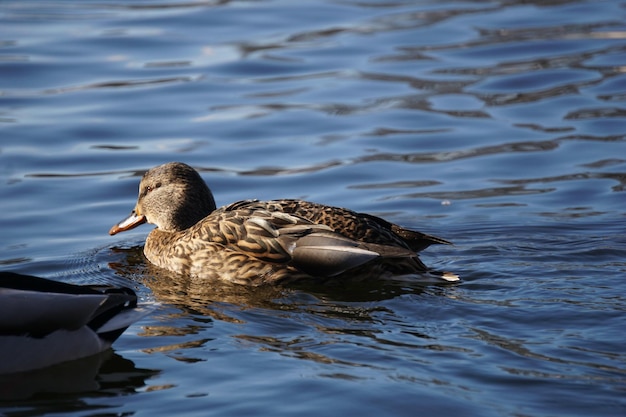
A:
x,y
279,237
357,226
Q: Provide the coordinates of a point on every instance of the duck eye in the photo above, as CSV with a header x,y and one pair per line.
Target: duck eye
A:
x,y
150,188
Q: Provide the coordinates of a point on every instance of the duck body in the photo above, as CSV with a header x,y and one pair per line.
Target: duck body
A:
x,y
267,242
44,322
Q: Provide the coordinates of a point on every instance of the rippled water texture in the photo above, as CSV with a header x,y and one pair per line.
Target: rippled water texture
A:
x,y
499,125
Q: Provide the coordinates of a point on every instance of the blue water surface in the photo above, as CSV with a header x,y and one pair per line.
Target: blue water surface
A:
x,y
498,125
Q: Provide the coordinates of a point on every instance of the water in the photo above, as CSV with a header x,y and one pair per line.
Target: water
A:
x,y
498,125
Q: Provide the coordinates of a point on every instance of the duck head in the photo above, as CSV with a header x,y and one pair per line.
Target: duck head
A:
x,y
172,196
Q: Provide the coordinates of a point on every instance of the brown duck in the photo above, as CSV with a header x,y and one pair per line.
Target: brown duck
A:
x,y
267,242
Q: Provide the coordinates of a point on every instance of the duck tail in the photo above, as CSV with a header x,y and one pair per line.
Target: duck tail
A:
x,y
417,241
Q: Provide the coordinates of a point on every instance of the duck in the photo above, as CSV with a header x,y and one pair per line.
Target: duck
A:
x,y
274,242
45,322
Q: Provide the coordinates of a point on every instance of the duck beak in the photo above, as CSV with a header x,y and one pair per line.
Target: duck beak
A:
x,y
128,223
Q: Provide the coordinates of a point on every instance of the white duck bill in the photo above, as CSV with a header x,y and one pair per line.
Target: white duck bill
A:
x,y
130,222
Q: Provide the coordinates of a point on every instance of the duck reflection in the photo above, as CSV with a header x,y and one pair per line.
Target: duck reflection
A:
x,y
295,321
106,373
